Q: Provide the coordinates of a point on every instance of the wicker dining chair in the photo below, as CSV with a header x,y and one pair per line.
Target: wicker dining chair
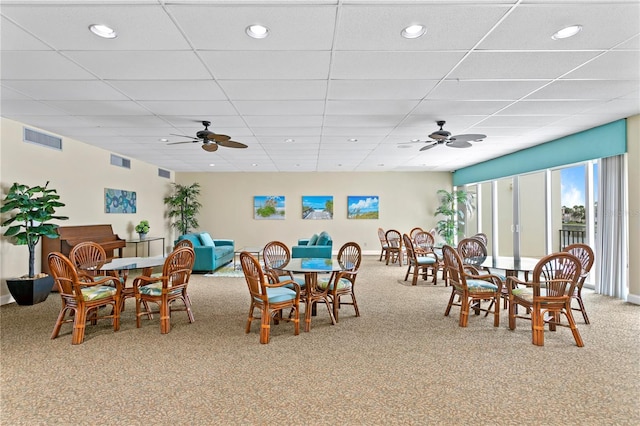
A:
x,y
395,251
88,257
185,242
82,296
383,244
269,299
274,254
166,289
549,293
471,289
414,231
482,237
584,253
419,261
342,283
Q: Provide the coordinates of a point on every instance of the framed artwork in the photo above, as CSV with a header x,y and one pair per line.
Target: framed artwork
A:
x,y
362,207
119,201
268,207
316,207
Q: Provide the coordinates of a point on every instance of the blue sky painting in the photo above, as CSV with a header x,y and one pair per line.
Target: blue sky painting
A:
x,y
363,207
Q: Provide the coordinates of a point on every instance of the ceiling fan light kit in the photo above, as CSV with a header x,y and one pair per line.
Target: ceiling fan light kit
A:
x,y
442,136
210,140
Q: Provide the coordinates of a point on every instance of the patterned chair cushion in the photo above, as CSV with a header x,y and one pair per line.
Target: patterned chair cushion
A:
x,y
343,284
280,294
102,277
481,285
155,289
97,292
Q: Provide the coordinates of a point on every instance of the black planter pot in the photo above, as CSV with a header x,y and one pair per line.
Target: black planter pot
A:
x,y
31,290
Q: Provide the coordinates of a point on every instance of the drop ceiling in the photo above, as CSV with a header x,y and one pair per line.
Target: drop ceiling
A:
x,y
334,87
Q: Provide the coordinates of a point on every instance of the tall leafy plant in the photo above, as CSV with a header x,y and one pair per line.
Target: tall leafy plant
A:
x,y
183,207
454,207
35,207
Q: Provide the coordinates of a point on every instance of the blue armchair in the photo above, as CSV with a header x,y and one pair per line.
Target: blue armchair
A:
x,y
210,254
319,245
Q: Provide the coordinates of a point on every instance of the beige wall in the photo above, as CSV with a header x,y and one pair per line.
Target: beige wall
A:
x,y
79,173
633,162
407,199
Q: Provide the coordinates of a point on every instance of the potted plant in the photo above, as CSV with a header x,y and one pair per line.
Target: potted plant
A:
x,y
183,207
34,208
454,206
143,228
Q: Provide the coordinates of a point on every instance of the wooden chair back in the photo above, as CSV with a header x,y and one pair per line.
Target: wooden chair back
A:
x,y
254,276
471,247
455,267
64,274
177,267
88,256
558,274
424,241
276,254
585,255
482,237
414,231
183,243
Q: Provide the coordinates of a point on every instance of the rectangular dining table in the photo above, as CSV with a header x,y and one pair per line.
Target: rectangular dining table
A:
x,y
311,267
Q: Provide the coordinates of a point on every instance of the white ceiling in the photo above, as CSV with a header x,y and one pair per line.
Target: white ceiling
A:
x,y
330,70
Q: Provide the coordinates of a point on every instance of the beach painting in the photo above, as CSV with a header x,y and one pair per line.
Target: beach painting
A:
x,y
362,207
316,207
268,207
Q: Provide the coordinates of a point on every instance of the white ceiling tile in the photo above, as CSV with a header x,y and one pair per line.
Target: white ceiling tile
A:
x,y
620,65
274,89
190,108
530,27
520,65
280,108
141,65
378,27
543,107
291,27
358,65
139,27
283,120
278,65
66,90
370,107
95,108
32,65
380,89
15,38
170,90
498,90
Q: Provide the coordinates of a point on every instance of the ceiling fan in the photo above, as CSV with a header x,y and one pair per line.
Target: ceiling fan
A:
x,y
210,140
442,136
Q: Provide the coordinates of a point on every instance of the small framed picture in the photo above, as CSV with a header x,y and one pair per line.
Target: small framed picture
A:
x,y
362,207
317,207
268,207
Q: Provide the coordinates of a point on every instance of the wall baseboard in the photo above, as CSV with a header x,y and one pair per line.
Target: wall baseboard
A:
x,y
633,298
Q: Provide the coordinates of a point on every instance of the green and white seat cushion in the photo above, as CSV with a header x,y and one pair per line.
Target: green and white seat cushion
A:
x,y
97,292
343,284
155,289
279,294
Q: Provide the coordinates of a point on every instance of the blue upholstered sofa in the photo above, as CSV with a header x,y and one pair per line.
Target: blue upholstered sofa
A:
x,y
319,245
210,254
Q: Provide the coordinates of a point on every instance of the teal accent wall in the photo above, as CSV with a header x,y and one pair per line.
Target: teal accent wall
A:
x,y
600,142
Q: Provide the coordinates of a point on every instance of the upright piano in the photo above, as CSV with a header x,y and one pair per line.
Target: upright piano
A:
x,y
69,236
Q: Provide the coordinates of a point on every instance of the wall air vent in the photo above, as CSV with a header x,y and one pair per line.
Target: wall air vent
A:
x,y
43,139
164,173
116,160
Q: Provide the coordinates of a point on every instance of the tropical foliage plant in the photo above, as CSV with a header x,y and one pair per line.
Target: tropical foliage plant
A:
x,y
34,207
454,207
183,207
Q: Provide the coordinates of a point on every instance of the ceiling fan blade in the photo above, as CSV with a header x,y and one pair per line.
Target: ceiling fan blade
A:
x,y
210,146
426,147
467,138
232,144
177,143
218,138
184,136
459,144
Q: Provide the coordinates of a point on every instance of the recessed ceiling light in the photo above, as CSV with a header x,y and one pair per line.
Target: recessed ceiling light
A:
x,y
257,31
415,140
212,165
381,165
414,31
567,32
289,140
254,165
352,140
163,140
103,31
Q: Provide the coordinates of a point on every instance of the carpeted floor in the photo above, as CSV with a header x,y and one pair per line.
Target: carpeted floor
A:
x,y
401,362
